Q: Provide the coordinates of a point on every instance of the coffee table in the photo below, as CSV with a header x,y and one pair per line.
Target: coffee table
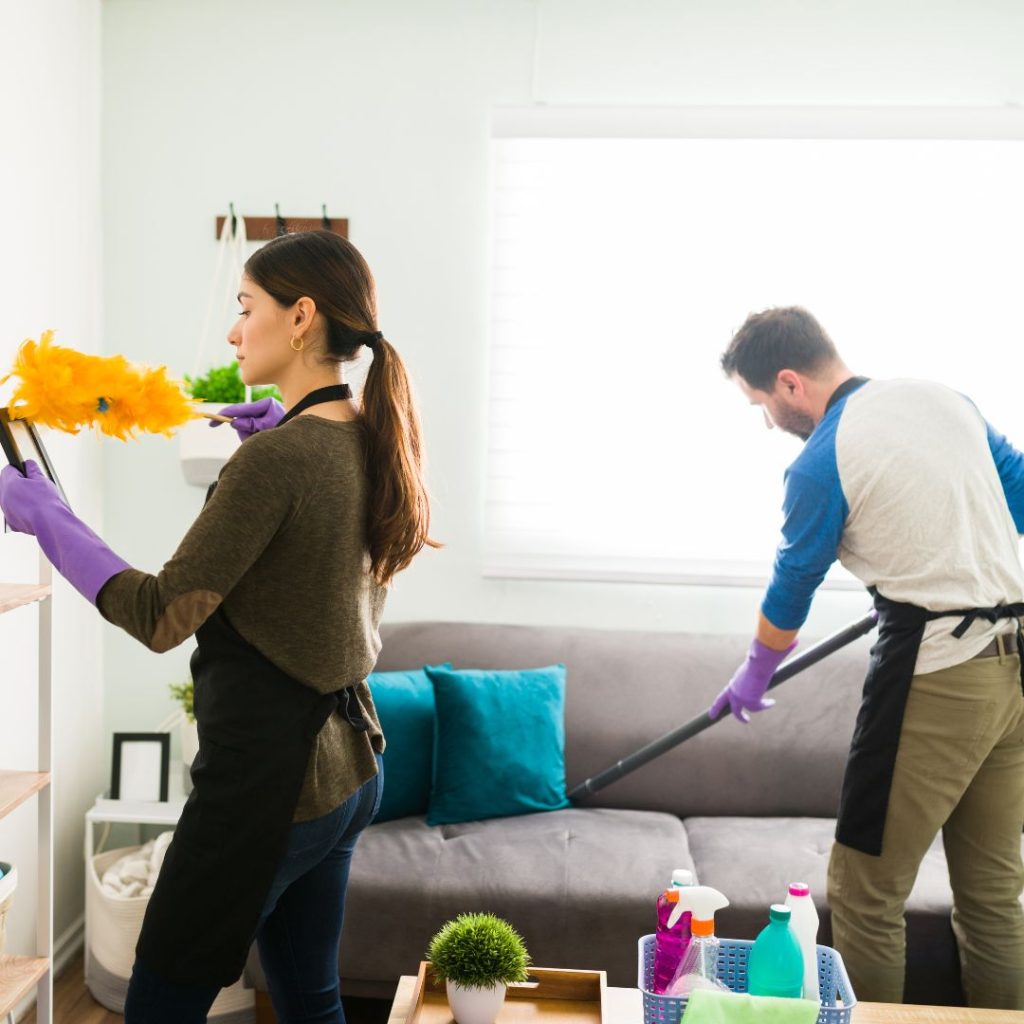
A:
x,y
626,1007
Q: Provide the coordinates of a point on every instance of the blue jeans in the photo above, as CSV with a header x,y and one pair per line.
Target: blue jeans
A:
x,y
299,933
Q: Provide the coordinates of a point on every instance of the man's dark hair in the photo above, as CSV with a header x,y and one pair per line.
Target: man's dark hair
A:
x,y
782,338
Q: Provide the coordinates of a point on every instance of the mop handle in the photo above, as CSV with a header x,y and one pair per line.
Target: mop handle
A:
x,y
810,657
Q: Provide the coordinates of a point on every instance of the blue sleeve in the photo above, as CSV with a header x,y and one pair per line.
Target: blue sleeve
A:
x,y
815,511
1010,465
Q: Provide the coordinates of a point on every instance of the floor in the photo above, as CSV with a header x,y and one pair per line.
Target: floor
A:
x,y
73,1004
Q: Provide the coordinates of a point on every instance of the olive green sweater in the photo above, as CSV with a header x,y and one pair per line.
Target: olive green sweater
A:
x,y
281,543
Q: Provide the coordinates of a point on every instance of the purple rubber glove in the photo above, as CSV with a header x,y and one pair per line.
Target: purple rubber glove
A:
x,y
31,504
746,689
252,417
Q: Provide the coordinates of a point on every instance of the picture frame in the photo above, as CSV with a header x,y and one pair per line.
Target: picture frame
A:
x,y
20,440
141,768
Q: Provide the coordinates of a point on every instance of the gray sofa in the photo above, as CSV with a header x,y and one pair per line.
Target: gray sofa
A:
x,y
748,809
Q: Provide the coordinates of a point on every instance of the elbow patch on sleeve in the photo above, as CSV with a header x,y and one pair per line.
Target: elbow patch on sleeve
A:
x,y
182,617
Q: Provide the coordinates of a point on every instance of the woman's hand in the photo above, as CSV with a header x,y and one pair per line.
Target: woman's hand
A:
x,y
251,417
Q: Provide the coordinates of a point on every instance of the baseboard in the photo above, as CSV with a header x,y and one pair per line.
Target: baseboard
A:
x,y
68,946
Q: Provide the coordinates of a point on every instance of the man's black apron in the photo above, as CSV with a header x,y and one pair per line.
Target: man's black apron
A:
x,y
876,737
256,729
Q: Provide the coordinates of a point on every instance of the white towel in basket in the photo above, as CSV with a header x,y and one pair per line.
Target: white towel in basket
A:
x,y
135,874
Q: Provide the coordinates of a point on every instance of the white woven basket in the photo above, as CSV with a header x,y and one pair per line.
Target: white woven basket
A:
x,y
113,926
7,886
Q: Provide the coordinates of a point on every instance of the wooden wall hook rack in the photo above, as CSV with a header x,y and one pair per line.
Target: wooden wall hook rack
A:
x,y
262,229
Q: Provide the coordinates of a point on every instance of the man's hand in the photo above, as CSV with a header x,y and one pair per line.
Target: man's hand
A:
x,y
746,690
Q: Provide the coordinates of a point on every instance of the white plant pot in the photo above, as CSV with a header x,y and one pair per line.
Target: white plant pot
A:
x,y
205,449
189,733
475,1005
189,741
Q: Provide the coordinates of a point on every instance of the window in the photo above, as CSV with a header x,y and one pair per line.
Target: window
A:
x,y
622,264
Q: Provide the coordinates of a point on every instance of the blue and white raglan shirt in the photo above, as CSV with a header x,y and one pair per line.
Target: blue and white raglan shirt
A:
x,y
906,484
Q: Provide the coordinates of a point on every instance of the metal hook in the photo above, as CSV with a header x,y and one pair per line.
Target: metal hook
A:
x,y
234,220
280,220
327,220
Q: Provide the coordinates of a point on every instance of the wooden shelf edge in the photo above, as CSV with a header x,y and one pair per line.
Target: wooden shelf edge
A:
x,y
18,976
17,787
17,595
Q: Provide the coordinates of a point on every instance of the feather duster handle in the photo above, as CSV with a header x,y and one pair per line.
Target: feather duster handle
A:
x,y
66,390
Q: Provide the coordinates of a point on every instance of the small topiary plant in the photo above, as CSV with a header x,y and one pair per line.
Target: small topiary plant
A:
x,y
478,951
224,384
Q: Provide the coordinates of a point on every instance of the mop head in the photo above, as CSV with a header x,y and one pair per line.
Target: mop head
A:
x,y
68,390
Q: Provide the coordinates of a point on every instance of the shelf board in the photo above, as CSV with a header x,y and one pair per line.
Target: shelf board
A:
x,y
14,595
18,976
17,787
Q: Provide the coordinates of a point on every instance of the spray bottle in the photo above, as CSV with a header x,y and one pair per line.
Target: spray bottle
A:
x,y
670,943
699,966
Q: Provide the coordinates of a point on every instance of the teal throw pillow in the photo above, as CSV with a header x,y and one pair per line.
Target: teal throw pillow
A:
x,y
405,708
499,743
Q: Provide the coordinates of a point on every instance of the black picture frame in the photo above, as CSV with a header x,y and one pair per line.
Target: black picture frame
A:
x,y
152,788
20,440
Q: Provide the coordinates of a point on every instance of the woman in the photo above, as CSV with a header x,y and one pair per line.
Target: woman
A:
x,y
282,578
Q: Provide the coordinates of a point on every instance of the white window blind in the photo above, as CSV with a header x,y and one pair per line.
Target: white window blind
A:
x,y
623,265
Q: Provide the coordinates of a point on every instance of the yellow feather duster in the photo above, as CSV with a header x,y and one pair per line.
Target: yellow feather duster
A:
x,y
67,390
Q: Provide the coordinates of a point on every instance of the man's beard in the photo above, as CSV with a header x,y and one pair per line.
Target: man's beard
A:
x,y
797,423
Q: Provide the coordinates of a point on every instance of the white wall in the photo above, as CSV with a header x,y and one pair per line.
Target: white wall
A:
x,y
49,266
381,108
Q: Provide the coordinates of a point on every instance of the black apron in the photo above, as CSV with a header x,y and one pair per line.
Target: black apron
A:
x,y
256,729
865,794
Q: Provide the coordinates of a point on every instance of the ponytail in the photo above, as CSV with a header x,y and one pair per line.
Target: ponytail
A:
x,y
398,513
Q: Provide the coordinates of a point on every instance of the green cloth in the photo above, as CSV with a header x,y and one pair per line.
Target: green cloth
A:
x,y
707,1007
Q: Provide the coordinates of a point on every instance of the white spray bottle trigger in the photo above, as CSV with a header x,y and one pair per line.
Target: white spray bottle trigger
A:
x,y
701,900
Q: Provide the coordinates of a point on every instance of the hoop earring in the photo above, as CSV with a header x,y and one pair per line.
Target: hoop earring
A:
x,y
300,346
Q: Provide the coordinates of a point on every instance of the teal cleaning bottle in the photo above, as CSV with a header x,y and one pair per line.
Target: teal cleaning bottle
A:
x,y
776,964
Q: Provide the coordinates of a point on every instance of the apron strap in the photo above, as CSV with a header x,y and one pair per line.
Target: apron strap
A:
x,y
351,710
331,393
969,615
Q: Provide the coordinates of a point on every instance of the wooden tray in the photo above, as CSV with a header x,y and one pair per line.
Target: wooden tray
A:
x,y
549,997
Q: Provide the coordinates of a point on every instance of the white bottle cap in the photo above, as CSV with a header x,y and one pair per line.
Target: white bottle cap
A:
x,y
682,876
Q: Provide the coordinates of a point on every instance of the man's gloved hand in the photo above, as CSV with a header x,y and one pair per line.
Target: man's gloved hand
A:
x,y
252,417
746,689
32,504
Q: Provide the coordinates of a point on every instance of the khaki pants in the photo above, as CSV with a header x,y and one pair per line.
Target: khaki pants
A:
x,y
960,768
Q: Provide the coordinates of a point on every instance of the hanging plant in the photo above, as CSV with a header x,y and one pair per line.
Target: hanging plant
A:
x,y
224,386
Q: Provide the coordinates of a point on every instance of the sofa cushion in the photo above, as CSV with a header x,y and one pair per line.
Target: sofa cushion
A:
x,y
625,689
580,886
753,860
499,743
404,702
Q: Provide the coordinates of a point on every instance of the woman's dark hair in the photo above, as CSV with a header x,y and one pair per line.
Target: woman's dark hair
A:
x,y
330,270
784,338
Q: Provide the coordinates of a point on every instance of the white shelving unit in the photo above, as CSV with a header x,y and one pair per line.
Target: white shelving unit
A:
x,y
19,974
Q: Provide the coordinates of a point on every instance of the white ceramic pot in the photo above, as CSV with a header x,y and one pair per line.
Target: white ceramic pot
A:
x,y
475,1005
189,733
189,741
205,449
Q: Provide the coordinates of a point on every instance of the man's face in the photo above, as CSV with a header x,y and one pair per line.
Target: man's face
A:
x,y
781,407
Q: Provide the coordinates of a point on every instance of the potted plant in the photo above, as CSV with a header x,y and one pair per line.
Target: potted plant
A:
x,y
183,694
477,956
204,451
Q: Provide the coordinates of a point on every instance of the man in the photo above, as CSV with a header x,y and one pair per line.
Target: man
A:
x,y
918,497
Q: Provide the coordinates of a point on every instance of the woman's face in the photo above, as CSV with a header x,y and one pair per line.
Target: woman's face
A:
x,y
261,335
